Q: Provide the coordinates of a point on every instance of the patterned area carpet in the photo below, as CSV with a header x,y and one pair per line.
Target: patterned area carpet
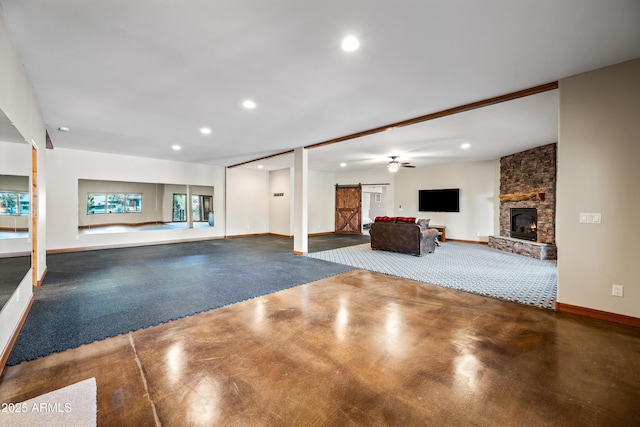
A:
x,y
463,266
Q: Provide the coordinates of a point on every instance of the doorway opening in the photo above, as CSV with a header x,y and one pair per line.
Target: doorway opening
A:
x,y
201,205
374,200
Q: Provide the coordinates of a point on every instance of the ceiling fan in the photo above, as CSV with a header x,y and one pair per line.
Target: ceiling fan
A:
x,y
395,165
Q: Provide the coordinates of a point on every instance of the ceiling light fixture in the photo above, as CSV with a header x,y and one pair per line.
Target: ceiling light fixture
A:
x,y
465,146
61,128
394,166
205,131
343,164
249,104
176,147
350,43
260,166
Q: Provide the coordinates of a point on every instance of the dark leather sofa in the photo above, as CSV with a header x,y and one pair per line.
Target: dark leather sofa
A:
x,y
391,234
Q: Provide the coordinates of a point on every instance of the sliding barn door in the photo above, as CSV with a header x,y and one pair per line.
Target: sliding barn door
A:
x,y
348,207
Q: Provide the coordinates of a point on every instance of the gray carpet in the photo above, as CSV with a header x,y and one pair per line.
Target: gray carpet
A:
x,y
88,296
463,266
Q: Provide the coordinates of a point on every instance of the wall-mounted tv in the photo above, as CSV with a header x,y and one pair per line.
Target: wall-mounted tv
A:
x,y
447,200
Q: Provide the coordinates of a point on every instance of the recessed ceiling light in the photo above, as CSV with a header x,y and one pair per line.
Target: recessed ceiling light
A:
x,y
176,147
465,146
350,43
260,166
343,164
205,131
63,129
249,104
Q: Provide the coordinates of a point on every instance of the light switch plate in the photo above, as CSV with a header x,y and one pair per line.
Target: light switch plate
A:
x,y
590,218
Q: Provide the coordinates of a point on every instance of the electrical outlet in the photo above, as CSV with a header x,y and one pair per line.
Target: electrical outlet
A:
x,y
617,290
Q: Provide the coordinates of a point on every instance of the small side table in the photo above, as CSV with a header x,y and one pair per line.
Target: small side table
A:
x,y
442,229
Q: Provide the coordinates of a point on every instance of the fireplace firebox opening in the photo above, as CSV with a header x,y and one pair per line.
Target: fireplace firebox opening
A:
x,y
524,223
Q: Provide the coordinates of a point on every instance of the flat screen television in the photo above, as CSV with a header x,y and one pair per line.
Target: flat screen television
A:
x,y
447,200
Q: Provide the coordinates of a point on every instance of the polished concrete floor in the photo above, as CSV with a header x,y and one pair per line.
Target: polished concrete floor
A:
x,y
360,348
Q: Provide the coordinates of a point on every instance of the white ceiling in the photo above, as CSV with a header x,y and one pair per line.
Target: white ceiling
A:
x,y
135,77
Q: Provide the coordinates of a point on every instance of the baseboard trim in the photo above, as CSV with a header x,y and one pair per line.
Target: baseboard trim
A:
x,y
598,314
238,236
14,337
286,236
299,253
477,242
39,282
326,233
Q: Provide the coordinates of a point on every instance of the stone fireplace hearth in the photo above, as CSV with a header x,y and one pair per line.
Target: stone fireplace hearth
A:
x,y
528,191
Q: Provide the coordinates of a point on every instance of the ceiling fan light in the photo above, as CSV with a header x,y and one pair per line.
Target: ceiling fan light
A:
x,y
394,167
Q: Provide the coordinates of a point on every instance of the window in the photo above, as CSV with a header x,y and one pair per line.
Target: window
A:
x,y
113,203
200,207
134,203
24,204
14,203
195,208
8,203
179,204
95,204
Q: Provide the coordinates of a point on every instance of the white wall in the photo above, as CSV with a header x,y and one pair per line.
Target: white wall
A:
x,y
321,199
479,188
478,196
65,167
247,201
322,202
281,207
599,171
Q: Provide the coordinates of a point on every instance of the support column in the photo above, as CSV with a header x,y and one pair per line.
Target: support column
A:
x,y
300,201
189,208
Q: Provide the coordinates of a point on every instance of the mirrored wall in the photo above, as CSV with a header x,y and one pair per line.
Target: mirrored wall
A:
x,y
125,206
14,206
15,209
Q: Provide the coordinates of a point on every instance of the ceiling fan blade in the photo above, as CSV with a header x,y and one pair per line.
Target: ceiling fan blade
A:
x,y
406,165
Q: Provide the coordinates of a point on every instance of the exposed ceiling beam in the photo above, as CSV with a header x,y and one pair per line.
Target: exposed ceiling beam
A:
x,y
432,116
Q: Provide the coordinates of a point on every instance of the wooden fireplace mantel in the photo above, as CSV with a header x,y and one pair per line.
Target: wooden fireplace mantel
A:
x,y
519,197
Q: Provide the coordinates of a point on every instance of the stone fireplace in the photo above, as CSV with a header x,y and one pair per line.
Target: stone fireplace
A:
x,y
528,203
